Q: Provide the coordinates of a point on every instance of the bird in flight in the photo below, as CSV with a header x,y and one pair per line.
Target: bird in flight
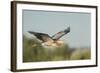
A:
x,y
47,40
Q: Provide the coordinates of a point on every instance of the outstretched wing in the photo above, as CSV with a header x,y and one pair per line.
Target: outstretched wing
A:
x,y
60,34
41,36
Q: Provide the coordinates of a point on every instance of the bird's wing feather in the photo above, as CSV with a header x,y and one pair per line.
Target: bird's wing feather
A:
x,y
60,34
41,36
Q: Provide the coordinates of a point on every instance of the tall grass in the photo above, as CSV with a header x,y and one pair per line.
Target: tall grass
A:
x,y
34,52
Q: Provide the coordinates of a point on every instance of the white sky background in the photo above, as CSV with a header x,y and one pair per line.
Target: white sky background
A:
x,y
52,22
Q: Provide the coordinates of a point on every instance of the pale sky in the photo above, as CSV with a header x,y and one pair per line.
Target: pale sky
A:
x,y
52,22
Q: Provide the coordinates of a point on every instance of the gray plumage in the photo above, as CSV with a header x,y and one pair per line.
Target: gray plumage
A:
x,y
45,37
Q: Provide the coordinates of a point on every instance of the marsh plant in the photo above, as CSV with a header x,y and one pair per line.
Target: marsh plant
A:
x,y
33,51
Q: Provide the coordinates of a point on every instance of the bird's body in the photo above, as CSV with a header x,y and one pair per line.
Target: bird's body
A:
x,y
48,41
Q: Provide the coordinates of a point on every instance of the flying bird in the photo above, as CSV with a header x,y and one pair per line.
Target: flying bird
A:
x,y
47,40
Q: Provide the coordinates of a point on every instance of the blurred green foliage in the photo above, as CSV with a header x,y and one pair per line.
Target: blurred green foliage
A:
x,y
34,52
81,54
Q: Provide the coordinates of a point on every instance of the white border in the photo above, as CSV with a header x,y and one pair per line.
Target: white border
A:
x,y
21,65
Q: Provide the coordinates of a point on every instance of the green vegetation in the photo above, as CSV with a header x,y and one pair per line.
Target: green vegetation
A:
x,y
81,54
34,52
